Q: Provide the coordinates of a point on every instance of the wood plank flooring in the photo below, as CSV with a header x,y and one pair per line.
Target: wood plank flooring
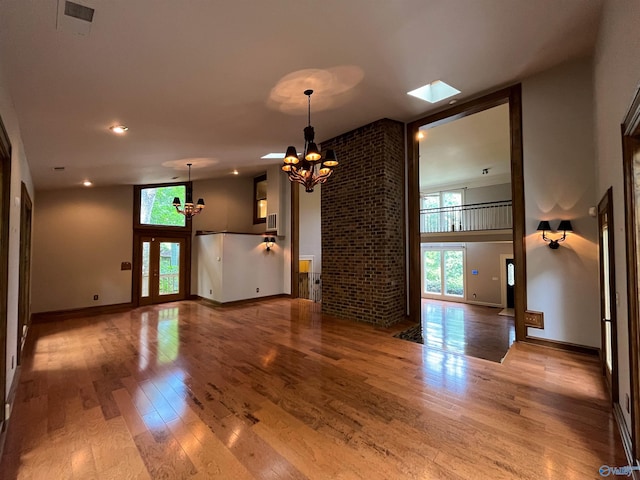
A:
x,y
276,390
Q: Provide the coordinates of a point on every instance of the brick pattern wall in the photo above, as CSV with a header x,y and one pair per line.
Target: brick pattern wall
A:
x,y
363,242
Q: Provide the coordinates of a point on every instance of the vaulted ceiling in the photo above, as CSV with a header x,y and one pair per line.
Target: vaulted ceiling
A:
x,y
221,84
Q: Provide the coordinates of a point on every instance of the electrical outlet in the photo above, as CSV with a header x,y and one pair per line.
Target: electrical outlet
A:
x,y
95,297
210,292
257,290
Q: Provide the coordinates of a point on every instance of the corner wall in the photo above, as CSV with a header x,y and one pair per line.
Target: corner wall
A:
x,y
363,249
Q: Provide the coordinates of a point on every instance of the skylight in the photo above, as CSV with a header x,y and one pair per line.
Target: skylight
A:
x,y
434,92
274,155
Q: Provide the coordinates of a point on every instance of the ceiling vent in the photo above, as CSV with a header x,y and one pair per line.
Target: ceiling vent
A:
x,y
75,17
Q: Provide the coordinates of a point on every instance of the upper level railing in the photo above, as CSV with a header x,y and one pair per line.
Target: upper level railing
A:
x,y
467,218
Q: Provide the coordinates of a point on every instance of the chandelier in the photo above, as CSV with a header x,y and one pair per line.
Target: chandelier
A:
x,y
189,209
312,169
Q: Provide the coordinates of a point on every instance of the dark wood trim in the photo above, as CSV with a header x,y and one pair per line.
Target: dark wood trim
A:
x,y
5,201
44,317
208,232
257,220
630,132
213,303
295,237
24,281
513,96
566,346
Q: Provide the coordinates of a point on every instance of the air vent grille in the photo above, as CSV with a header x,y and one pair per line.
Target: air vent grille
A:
x,y
78,11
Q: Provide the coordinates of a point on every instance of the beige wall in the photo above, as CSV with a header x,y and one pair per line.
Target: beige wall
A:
x,y
229,205
80,237
19,173
487,284
616,76
492,193
559,178
310,228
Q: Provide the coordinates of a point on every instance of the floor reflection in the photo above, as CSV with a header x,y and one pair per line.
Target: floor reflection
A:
x,y
472,330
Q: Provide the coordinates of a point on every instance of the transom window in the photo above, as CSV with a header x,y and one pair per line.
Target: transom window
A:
x,y
156,206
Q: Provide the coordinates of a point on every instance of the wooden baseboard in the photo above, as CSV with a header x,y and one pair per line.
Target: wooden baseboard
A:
x,y
625,435
570,347
43,317
214,303
11,401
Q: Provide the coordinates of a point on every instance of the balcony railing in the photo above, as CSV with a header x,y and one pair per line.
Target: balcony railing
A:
x,y
467,218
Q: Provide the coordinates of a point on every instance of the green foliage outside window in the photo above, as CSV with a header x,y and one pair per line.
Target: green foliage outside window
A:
x,y
156,206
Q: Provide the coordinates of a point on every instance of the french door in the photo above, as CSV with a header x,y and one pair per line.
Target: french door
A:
x,y
607,295
162,269
443,272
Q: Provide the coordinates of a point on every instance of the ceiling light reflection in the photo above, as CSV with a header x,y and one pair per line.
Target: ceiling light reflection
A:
x,y
329,85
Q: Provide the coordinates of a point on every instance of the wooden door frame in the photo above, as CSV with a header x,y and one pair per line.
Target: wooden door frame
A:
x,y
24,287
5,199
138,235
630,129
605,206
513,96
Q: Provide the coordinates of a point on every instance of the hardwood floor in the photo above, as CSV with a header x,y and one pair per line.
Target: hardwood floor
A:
x,y
473,330
275,390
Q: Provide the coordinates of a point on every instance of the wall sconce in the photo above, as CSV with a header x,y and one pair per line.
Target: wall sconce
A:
x,y
269,242
565,226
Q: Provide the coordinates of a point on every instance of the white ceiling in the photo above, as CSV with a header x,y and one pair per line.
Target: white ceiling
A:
x,y
222,82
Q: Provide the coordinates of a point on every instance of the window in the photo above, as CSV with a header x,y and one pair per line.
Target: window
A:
x,y
448,216
155,206
443,271
260,199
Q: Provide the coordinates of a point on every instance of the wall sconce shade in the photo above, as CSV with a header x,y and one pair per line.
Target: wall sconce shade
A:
x,y
544,225
565,226
269,242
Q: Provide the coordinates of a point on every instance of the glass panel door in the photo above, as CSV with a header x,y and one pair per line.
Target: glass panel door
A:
x,y
607,295
162,270
443,272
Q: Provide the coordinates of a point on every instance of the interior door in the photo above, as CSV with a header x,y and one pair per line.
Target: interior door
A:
x,y
162,272
607,295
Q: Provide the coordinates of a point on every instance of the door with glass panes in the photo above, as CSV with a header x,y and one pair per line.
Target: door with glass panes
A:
x,y
162,270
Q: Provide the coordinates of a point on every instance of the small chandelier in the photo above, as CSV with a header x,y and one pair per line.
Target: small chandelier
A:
x,y
190,210
304,171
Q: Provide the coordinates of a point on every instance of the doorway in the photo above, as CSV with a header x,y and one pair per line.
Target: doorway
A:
x,y
513,210
162,269
5,199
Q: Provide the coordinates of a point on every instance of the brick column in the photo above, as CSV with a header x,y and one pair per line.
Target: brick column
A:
x,y
363,233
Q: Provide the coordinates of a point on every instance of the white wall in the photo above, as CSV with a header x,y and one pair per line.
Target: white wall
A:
x,y
559,166
616,76
310,229
19,173
233,267
487,284
491,193
80,238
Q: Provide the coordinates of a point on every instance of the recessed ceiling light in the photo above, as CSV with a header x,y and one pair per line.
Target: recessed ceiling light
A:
x,y
235,172
434,92
87,183
119,129
274,155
